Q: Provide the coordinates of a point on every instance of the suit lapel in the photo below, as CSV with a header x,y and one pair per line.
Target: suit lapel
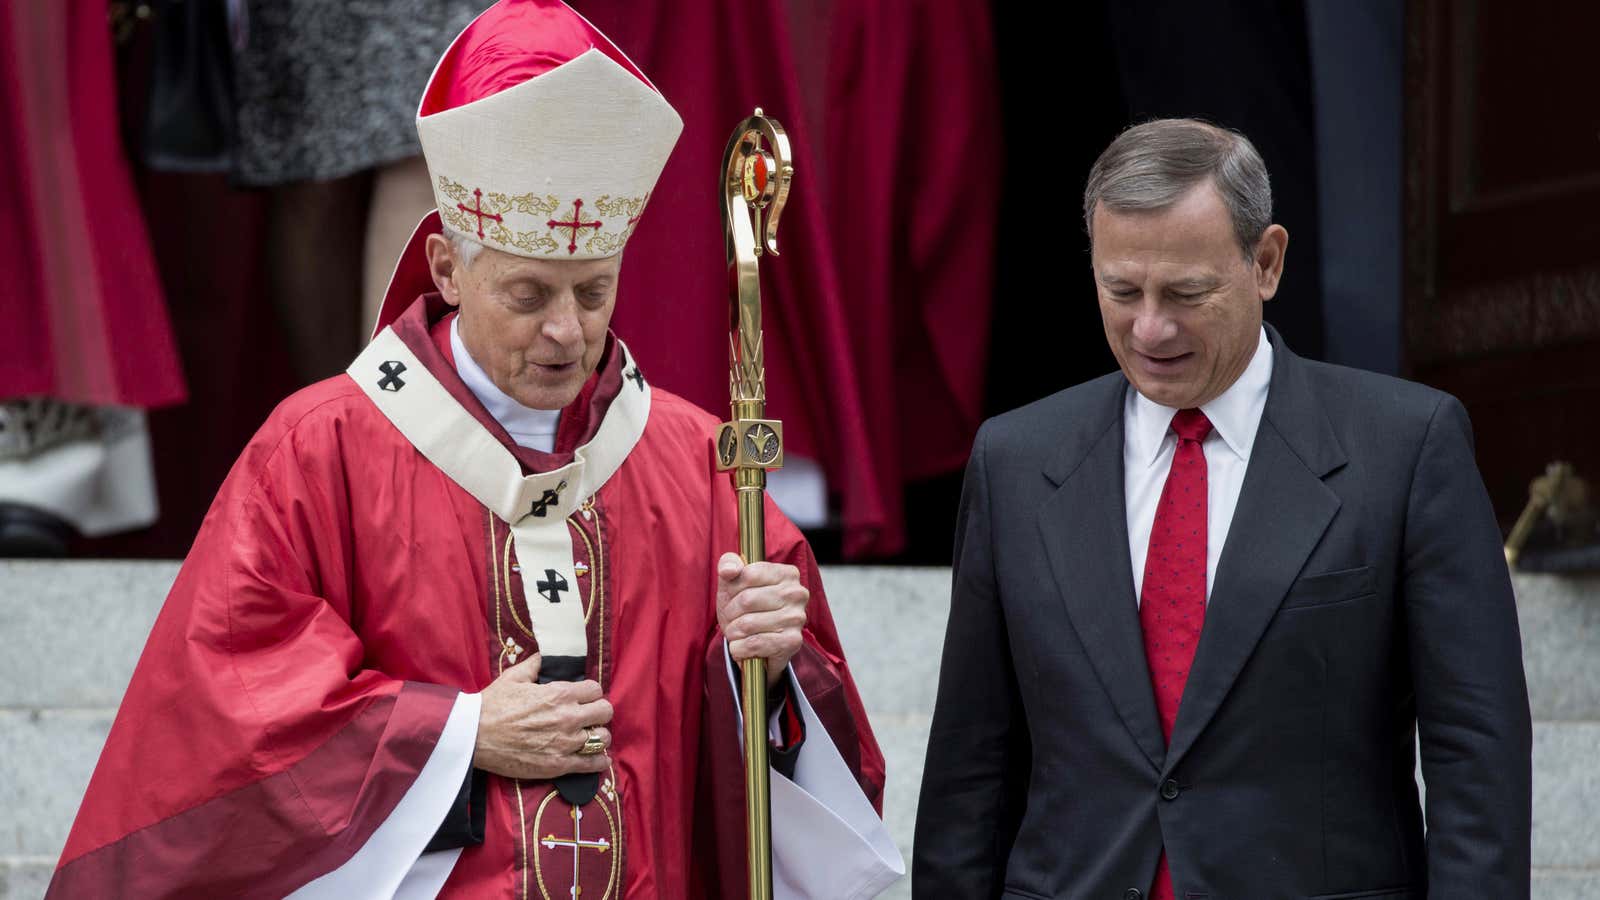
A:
x,y
1085,531
1283,511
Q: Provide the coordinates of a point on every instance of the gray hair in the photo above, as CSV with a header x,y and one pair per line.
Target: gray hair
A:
x,y
1151,165
466,248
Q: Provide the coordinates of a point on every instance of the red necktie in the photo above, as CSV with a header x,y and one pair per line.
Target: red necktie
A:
x,y
1173,603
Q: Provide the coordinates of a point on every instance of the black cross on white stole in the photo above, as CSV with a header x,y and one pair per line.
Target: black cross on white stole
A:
x,y
551,587
391,380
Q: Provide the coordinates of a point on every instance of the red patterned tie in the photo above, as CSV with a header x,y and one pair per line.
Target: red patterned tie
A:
x,y
1173,603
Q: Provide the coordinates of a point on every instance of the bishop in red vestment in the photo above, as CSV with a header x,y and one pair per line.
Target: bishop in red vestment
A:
x,y
86,322
462,622
86,345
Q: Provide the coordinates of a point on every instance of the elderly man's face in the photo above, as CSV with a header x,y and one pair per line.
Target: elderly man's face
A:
x,y
1180,303
535,326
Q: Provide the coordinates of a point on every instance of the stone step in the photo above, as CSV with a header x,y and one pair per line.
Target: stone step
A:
x,y
1565,885
1560,618
46,759
93,616
27,880
24,879
75,630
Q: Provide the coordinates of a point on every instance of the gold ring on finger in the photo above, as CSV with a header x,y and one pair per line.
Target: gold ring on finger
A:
x,y
593,744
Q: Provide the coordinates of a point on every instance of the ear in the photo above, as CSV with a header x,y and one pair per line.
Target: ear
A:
x,y
443,267
1268,265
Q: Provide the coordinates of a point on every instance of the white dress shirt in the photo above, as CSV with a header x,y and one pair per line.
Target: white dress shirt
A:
x,y
531,428
1148,445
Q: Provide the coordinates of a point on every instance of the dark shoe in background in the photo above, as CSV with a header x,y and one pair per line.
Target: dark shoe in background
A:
x,y
30,533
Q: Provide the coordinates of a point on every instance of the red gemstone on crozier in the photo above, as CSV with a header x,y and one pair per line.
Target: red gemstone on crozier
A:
x,y
761,172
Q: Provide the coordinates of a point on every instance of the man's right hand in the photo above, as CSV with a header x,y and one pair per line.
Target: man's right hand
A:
x,y
533,731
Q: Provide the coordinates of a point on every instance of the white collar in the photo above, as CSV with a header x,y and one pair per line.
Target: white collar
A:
x,y
535,504
529,427
1235,415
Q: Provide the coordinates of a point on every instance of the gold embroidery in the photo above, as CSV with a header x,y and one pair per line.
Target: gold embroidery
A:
x,y
454,191
511,600
538,865
531,241
598,583
607,242
494,588
466,219
522,822
487,217
622,206
457,220
575,225
588,546
535,205
611,241
576,844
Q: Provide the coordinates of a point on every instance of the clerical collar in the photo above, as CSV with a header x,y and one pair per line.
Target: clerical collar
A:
x,y
531,428
1235,415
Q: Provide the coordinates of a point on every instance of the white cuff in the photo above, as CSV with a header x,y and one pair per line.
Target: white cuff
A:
x,y
391,863
828,843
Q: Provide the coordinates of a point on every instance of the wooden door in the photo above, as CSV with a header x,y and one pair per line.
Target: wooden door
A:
x,y
1502,238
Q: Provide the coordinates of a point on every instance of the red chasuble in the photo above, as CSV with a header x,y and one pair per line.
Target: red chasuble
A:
x,y
346,594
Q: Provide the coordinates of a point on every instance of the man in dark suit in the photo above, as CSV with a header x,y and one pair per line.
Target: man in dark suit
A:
x,y
1203,607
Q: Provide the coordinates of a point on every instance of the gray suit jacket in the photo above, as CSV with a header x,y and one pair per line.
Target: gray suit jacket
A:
x,y
1361,598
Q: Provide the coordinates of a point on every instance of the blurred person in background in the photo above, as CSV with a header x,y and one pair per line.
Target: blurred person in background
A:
x,y
86,346
325,97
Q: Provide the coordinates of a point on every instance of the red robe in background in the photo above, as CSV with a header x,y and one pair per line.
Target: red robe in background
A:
x,y
878,310
345,594
84,317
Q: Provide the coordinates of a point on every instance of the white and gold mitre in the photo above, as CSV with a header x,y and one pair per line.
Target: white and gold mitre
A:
x,y
542,139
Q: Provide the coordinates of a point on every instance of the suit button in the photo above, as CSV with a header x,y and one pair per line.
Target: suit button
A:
x,y
1132,894
1170,790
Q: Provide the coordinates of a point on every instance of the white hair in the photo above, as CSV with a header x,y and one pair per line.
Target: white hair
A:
x,y
466,248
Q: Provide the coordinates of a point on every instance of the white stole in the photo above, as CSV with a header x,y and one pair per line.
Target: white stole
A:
x,y
535,506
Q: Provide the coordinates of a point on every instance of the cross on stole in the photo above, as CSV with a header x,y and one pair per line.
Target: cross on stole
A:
x,y
477,195
548,499
636,377
577,844
391,380
575,225
552,585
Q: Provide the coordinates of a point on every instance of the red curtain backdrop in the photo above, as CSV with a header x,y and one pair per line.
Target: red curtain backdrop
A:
x,y
878,309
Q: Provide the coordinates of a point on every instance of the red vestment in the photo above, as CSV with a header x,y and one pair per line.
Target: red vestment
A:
x,y
344,591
